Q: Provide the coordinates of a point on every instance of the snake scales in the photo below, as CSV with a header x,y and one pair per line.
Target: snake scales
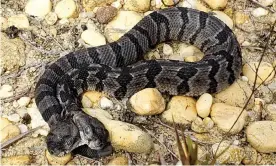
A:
x,y
119,70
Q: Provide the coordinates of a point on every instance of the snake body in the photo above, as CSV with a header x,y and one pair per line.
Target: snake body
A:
x,y
119,70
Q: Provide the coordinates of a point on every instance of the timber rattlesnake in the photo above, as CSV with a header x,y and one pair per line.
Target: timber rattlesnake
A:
x,y
112,68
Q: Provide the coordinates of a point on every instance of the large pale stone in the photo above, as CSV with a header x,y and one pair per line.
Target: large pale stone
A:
x,y
137,5
38,7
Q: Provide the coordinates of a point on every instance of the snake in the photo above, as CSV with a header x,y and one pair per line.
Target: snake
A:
x,y
119,69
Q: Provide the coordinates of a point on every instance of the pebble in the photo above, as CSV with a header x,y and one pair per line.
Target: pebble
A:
x,y
121,160
147,102
117,4
266,2
259,12
224,117
93,38
244,78
66,9
167,50
51,18
23,128
91,99
9,132
89,5
225,18
16,160
4,122
123,135
137,5
271,112
36,121
208,123
266,72
203,105
261,135
197,126
251,156
216,4
24,101
20,21
6,91
240,17
233,155
236,95
55,160
105,103
106,14
14,118
183,110
123,22
38,8
21,112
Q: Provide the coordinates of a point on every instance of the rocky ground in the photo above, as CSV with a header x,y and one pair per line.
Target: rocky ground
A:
x,y
34,33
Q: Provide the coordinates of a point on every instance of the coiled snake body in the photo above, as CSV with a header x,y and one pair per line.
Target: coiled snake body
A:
x,y
119,70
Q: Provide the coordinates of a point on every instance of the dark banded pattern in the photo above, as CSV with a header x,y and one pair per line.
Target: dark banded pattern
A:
x,y
114,68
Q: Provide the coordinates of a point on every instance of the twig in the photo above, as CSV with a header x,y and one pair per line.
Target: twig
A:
x,y
267,8
12,140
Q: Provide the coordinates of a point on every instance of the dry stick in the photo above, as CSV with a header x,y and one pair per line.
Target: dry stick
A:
x,y
10,141
253,89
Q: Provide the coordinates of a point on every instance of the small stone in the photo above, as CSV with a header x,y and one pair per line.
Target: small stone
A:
x,y
137,5
244,78
121,160
21,112
106,14
148,102
266,2
89,5
259,12
167,49
4,122
37,120
24,101
265,73
94,97
190,59
51,18
261,135
271,112
216,4
38,8
9,132
23,128
225,18
203,105
224,116
6,91
117,4
16,160
20,21
55,160
208,123
251,156
241,18
105,103
183,110
66,9
123,135
236,95
197,126
14,118
123,22
93,38
233,155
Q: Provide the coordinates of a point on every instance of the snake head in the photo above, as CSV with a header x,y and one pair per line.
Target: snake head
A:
x,y
63,136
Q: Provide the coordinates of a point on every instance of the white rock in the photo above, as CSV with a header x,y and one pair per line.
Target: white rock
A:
x,y
6,91
208,123
105,103
225,18
66,9
167,49
20,21
51,18
38,7
216,4
224,116
123,135
24,101
203,105
23,128
21,112
93,38
183,110
117,4
259,12
123,22
14,117
37,121
261,135
148,102
244,78
266,2
137,5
